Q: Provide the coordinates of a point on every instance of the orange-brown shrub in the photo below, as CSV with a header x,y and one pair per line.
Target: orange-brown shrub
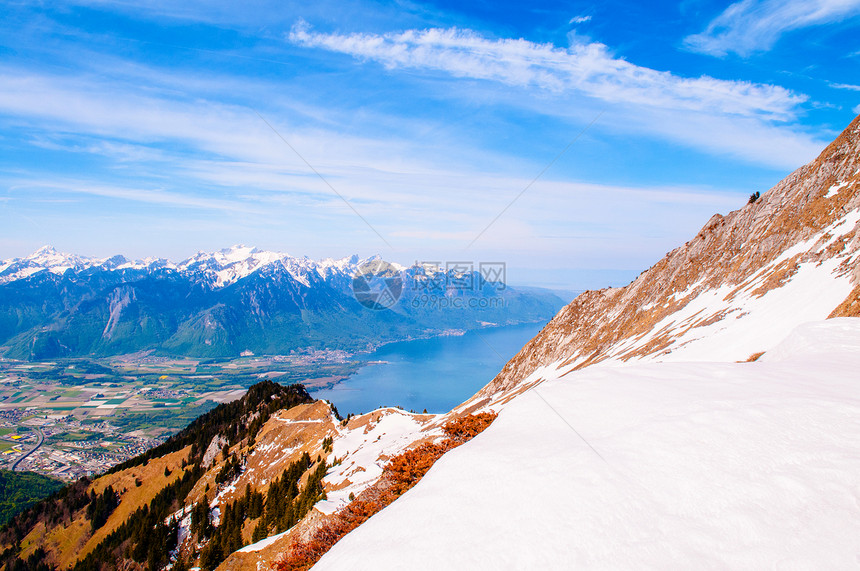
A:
x,y
465,428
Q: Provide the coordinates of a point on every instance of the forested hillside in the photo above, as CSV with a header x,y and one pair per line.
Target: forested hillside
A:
x,y
19,490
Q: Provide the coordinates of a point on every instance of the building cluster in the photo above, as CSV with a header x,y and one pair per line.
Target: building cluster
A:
x,y
66,459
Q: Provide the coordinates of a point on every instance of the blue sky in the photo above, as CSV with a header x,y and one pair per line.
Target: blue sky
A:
x,y
605,134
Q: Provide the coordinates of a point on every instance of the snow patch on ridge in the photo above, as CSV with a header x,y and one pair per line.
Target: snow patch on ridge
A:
x,y
834,190
363,452
263,543
732,322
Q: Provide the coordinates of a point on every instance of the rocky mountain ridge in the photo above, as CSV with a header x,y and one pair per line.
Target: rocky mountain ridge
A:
x,y
732,291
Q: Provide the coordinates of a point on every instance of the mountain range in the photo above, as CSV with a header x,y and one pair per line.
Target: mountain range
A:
x,y
236,300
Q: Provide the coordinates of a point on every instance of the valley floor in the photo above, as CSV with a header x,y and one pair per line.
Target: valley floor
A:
x,y
667,465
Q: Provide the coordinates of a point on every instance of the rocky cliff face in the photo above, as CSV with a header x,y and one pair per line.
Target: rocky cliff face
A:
x,y
732,291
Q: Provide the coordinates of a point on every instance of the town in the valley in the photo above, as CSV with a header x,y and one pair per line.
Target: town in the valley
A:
x,y
74,418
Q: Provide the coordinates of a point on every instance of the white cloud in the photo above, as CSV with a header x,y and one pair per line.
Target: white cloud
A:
x,y
847,86
856,110
743,138
580,19
133,125
750,26
584,68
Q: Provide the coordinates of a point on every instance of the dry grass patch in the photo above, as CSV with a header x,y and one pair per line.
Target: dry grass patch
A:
x,y
132,497
850,307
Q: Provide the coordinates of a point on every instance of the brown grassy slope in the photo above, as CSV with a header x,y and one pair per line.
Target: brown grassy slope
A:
x,y
850,307
312,438
68,544
728,250
280,442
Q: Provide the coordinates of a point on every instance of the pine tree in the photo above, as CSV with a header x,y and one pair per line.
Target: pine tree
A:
x,y
260,532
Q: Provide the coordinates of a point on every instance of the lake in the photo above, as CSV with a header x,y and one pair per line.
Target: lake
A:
x,y
436,374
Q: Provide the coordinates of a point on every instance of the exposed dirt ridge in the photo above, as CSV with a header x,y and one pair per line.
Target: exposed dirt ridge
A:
x,y
728,251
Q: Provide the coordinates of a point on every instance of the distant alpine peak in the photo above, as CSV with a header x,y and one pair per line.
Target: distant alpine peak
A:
x,y
45,250
46,258
49,254
232,264
218,269
229,265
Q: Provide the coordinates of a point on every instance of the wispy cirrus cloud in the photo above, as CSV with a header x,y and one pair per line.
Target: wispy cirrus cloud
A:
x,y
585,68
751,26
848,86
133,194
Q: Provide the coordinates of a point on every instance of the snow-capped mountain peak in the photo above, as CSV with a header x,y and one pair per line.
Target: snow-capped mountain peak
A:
x,y
46,258
232,264
46,250
217,269
229,265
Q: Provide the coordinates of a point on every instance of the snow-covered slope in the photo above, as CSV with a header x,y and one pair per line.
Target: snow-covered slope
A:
x,y
630,437
664,465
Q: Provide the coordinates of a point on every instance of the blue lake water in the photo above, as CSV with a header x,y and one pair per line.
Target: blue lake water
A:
x,y
436,374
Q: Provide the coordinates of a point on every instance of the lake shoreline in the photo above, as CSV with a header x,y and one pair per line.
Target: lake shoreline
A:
x,y
434,373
